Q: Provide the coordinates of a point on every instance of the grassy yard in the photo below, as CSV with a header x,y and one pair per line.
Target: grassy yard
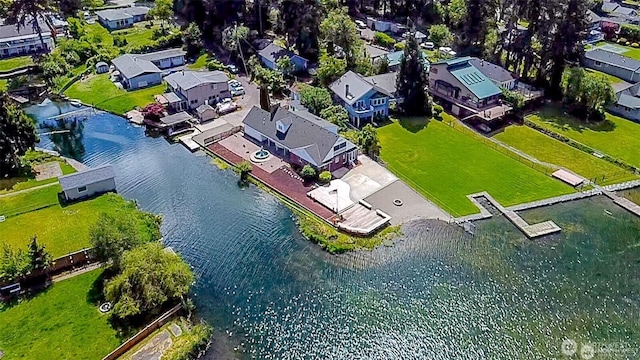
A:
x,y
615,136
631,52
62,322
62,229
552,151
14,63
22,183
99,91
3,84
200,63
136,36
445,165
612,79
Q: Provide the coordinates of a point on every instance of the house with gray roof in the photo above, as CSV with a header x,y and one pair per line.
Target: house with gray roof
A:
x,y
386,82
114,19
88,183
300,140
190,89
375,52
496,73
625,68
363,100
24,40
142,70
627,102
465,91
270,53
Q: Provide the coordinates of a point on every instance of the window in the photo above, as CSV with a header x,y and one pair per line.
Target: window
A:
x,y
194,101
340,146
82,189
359,104
598,63
379,101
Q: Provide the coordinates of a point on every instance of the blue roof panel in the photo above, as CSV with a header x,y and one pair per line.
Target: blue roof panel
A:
x,y
475,81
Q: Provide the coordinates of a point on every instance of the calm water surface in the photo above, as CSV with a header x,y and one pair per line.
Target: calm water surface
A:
x,y
438,293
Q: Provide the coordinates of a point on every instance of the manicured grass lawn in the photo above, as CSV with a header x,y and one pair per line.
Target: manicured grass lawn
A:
x,y
3,84
59,323
62,229
631,52
552,151
12,205
14,63
612,79
200,63
445,165
99,91
136,36
22,183
615,136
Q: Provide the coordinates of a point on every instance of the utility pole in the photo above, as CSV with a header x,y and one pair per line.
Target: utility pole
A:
x,y
237,39
260,17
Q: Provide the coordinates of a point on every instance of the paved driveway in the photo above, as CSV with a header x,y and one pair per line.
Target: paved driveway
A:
x,y
251,96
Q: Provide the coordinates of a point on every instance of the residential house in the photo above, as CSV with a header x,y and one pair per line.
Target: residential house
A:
x,y
378,25
190,89
595,33
87,183
300,138
395,59
363,100
500,76
24,40
142,70
386,82
627,102
375,52
114,19
465,91
625,68
609,7
270,54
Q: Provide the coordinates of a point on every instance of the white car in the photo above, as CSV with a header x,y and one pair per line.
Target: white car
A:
x,y
237,91
427,45
234,83
226,107
360,24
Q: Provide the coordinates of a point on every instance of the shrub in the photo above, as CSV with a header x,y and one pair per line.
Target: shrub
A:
x,y
437,111
244,168
119,41
383,39
153,111
627,43
399,46
325,176
621,40
308,172
635,45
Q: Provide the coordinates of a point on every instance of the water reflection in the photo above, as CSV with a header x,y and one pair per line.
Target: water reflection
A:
x,y
438,293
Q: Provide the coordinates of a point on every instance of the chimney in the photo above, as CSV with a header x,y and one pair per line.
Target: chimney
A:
x,y
346,89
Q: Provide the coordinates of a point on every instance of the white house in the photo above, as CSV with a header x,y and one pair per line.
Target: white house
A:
x,y
24,40
88,183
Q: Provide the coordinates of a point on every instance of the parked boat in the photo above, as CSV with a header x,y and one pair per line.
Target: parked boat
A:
x,y
75,102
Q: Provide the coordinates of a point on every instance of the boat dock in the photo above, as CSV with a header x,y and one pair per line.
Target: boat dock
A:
x,y
624,203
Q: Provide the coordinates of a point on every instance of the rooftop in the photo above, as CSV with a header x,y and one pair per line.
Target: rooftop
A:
x,y
357,85
491,70
273,52
611,58
470,77
122,13
87,177
374,51
176,118
386,81
629,97
188,79
131,66
15,32
395,58
161,55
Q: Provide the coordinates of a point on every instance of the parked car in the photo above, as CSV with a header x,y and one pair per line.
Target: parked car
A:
x,y
232,68
233,83
225,107
427,45
237,91
360,24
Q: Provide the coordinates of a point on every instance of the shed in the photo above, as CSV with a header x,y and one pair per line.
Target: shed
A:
x,y
88,183
102,67
205,112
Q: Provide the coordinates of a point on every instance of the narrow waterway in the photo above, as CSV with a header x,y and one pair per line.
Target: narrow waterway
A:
x,y
438,293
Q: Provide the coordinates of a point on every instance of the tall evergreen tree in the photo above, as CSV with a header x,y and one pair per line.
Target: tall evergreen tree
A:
x,y
412,80
17,135
300,21
39,258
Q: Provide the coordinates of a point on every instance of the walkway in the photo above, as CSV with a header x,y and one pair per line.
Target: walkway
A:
x,y
77,272
29,189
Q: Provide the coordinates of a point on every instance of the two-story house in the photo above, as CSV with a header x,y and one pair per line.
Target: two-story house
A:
x,y
141,70
24,40
363,100
465,91
190,89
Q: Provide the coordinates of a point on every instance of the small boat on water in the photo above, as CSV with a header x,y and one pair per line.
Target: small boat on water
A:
x,y
75,102
608,212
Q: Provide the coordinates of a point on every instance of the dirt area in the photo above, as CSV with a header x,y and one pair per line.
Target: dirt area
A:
x,y
48,170
153,349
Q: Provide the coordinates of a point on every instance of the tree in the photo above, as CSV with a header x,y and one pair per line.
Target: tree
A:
x,y
315,99
53,65
515,98
308,172
336,115
265,101
285,65
192,39
457,11
412,80
153,111
330,69
76,28
381,65
39,259
587,92
338,30
383,39
163,11
440,35
244,168
150,277
368,141
27,12
112,235
18,134
232,38
299,20
13,264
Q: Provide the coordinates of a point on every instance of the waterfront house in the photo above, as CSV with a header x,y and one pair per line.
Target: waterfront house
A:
x,y
500,76
625,68
114,19
141,70
300,138
627,102
88,183
465,91
190,89
16,41
362,99
270,53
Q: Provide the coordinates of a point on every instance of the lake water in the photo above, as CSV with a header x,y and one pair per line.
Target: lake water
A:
x,y
438,293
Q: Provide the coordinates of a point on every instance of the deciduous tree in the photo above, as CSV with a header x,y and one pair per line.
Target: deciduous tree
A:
x,y
26,12
163,11
338,30
368,141
17,135
330,69
336,115
315,99
440,35
192,39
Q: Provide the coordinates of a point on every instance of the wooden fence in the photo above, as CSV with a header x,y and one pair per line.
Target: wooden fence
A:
x,y
142,334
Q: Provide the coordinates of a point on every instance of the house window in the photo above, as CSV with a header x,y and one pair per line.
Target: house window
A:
x,y
360,104
82,189
340,146
598,63
379,101
195,101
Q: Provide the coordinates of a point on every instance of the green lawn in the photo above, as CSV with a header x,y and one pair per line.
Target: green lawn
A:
x,y
631,52
99,91
200,63
445,165
62,229
615,136
552,151
62,322
136,36
14,63
14,205
21,183
3,84
612,79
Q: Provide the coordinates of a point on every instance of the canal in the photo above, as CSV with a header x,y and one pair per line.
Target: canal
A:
x,y
438,293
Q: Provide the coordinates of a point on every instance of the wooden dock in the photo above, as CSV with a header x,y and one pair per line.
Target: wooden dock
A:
x,y
624,203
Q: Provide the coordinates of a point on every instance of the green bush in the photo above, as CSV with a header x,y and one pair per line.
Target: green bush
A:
x,y
399,46
325,176
308,172
622,40
635,45
383,39
437,111
119,40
